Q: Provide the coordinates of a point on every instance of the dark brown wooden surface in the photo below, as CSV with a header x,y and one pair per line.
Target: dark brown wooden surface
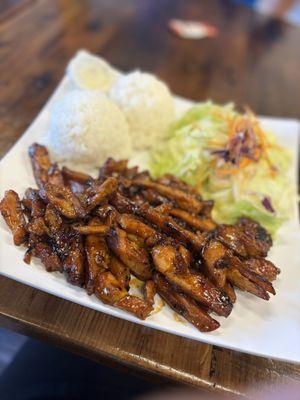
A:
x,y
254,61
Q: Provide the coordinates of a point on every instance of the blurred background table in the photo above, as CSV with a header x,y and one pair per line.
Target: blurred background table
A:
x,y
254,61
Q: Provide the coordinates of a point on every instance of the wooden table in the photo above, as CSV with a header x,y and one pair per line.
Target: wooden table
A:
x,y
253,61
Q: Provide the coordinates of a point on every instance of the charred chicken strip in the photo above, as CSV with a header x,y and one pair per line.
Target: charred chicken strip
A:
x,y
216,262
92,229
252,276
149,292
52,219
229,260
135,305
109,290
11,210
63,200
132,224
154,198
173,181
33,202
195,221
184,305
55,176
193,284
168,225
74,262
98,192
259,280
40,162
75,176
97,259
229,290
134,257
186,201
112,167
119,169
120,271
262,267
38,227
122,203
48,257
232,237
245,243
259,240
237,279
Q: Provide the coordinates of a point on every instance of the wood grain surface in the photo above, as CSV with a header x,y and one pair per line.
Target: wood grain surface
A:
x,y
254,61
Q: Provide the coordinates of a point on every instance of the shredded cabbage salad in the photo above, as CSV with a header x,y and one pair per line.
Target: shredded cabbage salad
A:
x,y
230,159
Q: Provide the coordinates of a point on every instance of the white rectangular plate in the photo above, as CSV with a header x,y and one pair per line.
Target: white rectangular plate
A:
x,y
270,329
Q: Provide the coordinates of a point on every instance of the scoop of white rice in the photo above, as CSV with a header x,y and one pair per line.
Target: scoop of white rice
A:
x,y
148,106
86,128
87,71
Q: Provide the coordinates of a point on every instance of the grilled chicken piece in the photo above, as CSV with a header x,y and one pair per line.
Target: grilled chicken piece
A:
x,y
260,239
40,162
48,257
149,292
243,283
184,305
109,290
259,280
132,224
207,206
168,262
92,229
55,176
118,169
233,237
195,221
52,219
122,203
11,210
99,192
215,260
120,271
38,227
262,267
154,198
186,201
74,261
133,304
249,240
133,256
168,225
229,290
107,214
33,202
173,181
63,200
97,259
75,176
112,167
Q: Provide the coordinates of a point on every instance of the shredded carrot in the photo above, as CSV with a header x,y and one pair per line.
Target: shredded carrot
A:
x,y
214,142
226,171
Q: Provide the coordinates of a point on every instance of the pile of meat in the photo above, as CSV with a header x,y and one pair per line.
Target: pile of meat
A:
x,y
100,232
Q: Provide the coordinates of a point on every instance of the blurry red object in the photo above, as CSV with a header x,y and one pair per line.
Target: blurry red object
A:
x,y
187,29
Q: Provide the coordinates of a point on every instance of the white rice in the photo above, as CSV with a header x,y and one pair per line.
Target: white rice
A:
x,y
148,106
86,128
